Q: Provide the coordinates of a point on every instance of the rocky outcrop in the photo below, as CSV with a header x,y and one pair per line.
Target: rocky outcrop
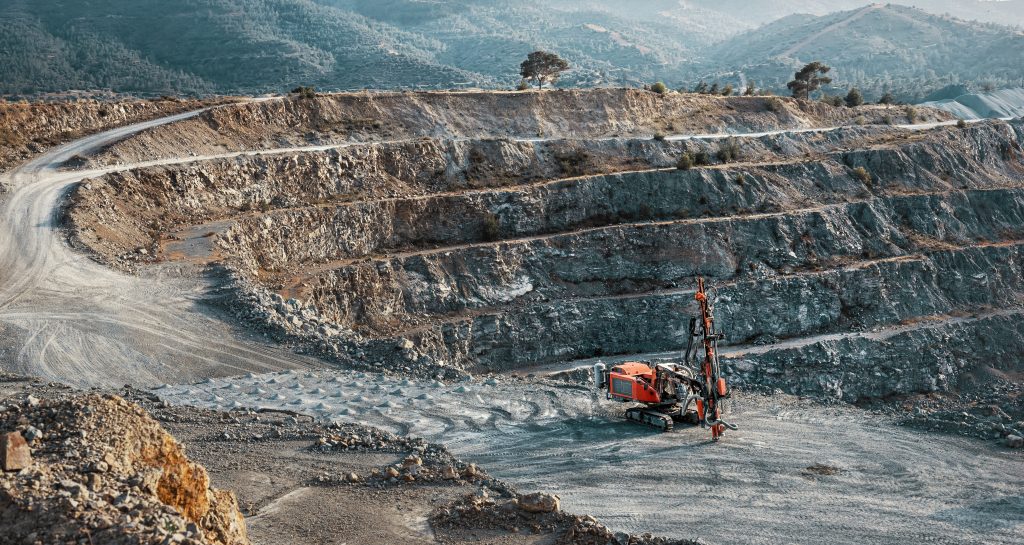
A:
x,y
103,470
27,129
441,257
576,113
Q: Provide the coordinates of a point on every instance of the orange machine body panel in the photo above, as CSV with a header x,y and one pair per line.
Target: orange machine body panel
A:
x,y
633,381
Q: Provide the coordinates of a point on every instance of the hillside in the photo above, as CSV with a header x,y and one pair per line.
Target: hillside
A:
x,y
258,46
205,45
1001,103
878,47
253,46
758,12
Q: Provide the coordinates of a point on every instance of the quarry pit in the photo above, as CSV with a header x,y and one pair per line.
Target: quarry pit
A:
x,y
439,272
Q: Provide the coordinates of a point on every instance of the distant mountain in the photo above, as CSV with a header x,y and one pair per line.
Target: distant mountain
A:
x,y
1001,103
204,45
255,46
877,48
269,45
758,12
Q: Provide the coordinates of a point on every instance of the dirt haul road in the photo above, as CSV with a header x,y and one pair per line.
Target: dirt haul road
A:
x,y
795,472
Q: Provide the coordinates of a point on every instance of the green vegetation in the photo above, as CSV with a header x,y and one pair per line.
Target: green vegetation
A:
x,y
729,150
863,175
491,228
895,48
911,113
686,161
256,46
854,98
543,67
809,79
961,124
659,88
887,98
833,100
304,92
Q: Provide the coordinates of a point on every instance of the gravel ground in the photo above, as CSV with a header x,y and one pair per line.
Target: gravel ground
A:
x,y
297,481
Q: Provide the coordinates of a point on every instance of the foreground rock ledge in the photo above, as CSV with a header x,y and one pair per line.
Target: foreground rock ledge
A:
x,y
103,471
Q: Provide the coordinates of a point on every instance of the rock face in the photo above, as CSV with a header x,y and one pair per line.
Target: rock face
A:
x,y
848,263
578,113
14,452
26,129
107,470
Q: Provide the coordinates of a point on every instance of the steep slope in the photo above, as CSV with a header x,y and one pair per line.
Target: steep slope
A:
x,y
207,45
878,47
255,46
270,45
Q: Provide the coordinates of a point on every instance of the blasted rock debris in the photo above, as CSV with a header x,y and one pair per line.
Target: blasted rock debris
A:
x,y
103,471
14,452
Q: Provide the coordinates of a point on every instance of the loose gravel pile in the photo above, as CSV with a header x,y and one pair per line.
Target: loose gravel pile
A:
x,y
103,471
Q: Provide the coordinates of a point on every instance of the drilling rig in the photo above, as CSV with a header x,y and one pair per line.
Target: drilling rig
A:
x,y
666,391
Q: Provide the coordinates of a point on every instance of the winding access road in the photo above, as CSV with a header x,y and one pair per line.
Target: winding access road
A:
x,y
796,472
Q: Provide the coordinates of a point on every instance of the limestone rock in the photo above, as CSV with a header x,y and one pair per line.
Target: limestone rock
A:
x,y
14,452
539,502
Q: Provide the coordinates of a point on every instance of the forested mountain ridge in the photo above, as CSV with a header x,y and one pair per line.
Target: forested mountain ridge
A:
x,y
878,48
256,46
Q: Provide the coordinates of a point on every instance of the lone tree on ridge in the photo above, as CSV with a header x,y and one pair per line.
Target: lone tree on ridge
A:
x,y
809,79
543,67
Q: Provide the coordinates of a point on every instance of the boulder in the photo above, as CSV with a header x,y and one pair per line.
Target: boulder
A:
x,y
14,452
539,502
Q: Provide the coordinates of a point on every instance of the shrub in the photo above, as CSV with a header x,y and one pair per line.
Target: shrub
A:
x,y
729,151
961,124
863,175
727,90
701,158
774,105
887,119
833,100
740,179
304,92
491,229
659,88
523,85
854,98
887,98
686,161
860,120
660,137
573,163
911,113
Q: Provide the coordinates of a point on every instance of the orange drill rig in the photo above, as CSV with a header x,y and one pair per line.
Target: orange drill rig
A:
x,y
666,390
